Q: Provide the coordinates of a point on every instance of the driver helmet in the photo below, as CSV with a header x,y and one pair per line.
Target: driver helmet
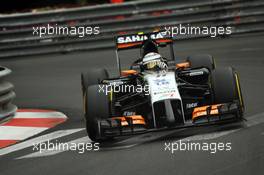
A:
x,y
154,62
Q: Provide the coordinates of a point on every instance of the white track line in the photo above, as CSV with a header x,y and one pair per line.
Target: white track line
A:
x,y
53,152
40,115
18,133
209,136
43,138
252,121
255,120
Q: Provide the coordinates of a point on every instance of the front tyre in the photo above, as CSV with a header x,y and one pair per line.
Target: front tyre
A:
x,y
226,87
97,107
91,77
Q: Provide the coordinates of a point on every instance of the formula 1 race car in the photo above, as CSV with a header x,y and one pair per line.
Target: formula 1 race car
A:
x,y
158,93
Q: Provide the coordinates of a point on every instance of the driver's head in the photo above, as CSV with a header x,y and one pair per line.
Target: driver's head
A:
x,y
153,62
149,46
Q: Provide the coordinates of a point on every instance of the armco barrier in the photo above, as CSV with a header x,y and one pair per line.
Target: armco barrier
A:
x,y
101,12
7,109
16,38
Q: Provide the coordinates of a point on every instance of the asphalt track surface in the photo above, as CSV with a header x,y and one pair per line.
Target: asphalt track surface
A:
x,y
53,82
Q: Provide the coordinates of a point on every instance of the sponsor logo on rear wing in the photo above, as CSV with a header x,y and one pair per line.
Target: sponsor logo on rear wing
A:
x,y
136,40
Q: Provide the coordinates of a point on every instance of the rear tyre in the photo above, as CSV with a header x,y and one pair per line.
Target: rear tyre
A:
x,y
93,76
226,87
97,107
199,61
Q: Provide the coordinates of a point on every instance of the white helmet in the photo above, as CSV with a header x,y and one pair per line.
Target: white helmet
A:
x,y
153,62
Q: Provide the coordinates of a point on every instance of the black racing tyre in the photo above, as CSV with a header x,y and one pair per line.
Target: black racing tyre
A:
x,y
97,107
93,76
226,87
203,60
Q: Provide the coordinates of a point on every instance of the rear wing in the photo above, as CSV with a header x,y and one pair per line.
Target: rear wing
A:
x,y
124,42
136,40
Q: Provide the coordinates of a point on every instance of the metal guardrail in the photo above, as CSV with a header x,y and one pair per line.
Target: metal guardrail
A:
x,y
7,109
17,39
100,12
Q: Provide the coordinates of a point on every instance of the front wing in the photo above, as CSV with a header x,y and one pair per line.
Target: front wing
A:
x,y
205,115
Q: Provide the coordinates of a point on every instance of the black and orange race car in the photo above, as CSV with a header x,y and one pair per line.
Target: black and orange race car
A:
x,y
158,93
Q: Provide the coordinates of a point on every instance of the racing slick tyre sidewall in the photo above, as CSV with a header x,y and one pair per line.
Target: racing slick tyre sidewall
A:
x,y
226,87
97,107
203,60
91,77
